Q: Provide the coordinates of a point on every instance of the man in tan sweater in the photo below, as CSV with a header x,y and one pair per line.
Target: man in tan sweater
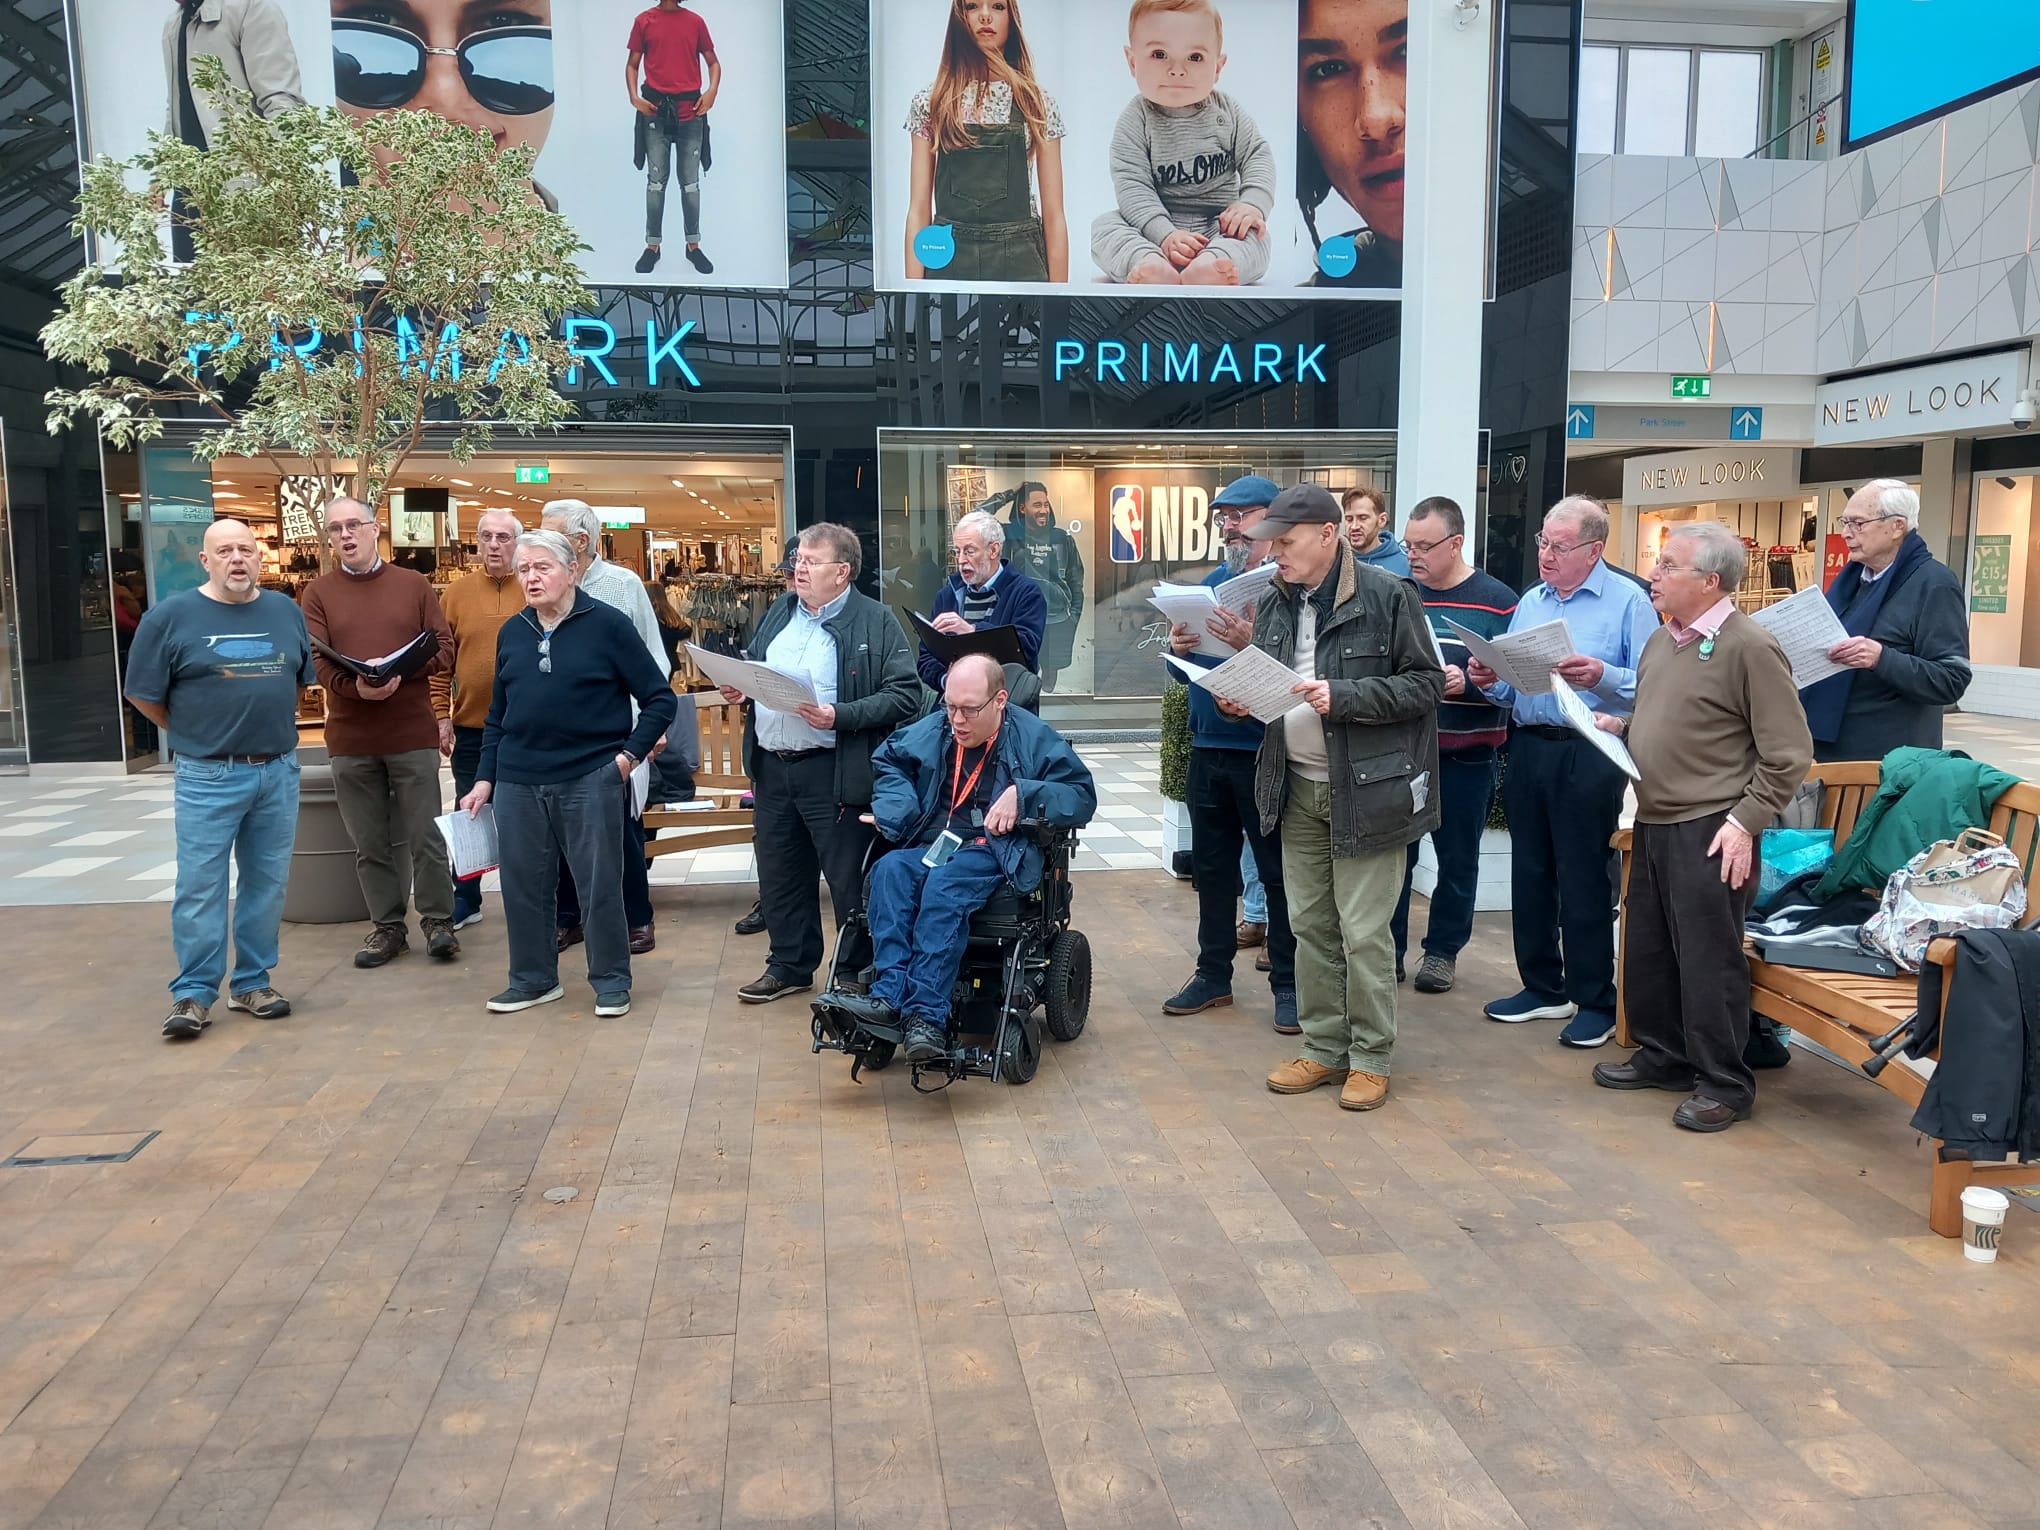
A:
x,y
1721,743
476,607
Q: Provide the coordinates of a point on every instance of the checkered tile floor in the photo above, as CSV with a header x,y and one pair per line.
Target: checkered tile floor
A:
x,y
113,839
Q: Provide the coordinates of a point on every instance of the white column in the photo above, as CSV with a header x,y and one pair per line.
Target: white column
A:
x,y
1445,254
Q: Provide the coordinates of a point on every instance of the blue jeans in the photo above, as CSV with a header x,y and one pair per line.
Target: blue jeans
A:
x,y
920,925
225,807
659,156
580,822
1253,896
1466,790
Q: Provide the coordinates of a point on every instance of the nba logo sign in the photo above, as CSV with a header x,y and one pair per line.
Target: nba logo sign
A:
x,y
1129,522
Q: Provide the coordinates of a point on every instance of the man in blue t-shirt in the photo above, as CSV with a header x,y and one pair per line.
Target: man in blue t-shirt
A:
x,y
219,669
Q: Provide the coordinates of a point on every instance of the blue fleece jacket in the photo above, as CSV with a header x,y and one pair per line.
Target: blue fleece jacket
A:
x,y
1020,605
1388,554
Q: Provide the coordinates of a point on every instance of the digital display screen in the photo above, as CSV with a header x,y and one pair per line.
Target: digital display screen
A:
x,y
1911,61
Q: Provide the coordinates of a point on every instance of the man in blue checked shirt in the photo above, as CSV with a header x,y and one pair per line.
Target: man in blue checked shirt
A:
x,y
1562,795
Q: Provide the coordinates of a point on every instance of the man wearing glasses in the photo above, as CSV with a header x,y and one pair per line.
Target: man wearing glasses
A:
x,y
383,740
476,607
1907,652
1472,732
811,770
950,790
1563,796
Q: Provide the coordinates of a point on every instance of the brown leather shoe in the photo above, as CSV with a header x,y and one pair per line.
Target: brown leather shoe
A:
x,y
643,939
1251,932
1700,1114
1303,1074
1264,962
1363,1091
568,935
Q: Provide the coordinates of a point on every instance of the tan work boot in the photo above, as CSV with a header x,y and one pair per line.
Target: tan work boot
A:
x,y
1363,1091
1302,1075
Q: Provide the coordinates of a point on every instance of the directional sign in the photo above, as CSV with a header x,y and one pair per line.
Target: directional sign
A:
x,y
1579,423
1692,387
533,472
1746,423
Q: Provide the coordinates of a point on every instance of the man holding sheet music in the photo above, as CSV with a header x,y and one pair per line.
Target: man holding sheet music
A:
x,y
383,739
1564,796
810,768
1221,793
1349,770
1720,744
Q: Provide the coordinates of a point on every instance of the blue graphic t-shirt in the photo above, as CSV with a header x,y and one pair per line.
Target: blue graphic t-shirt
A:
x,y
228,673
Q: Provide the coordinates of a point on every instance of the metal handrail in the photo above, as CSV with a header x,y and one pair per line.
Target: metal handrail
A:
x,y
1793,127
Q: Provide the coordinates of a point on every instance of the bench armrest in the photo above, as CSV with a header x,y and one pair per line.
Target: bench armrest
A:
x,y
1941,951
1624,838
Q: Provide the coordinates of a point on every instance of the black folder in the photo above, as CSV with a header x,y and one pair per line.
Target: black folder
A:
x,y
1002,643
405,662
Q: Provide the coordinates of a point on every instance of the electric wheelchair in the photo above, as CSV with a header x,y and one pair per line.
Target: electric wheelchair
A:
x,y
1022,957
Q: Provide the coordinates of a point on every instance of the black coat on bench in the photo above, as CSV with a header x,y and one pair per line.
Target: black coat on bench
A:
x,y
1983,1101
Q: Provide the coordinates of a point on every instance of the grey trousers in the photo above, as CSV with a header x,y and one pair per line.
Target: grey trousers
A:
x,y
581,820
1117,247
387,800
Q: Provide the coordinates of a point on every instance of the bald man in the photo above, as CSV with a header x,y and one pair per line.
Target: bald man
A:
x,y
220,670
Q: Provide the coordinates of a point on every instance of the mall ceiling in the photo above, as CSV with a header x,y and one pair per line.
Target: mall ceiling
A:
x,y
38,150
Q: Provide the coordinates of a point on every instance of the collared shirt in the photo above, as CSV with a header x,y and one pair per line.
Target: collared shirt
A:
x,y
1870,578
1610,619
1706,624
805,649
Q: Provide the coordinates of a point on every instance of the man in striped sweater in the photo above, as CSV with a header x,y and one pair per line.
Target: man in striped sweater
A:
x,y
1471,733
985,591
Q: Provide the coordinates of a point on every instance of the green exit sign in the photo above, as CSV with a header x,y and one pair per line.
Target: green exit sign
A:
x,y
538,472
1692,387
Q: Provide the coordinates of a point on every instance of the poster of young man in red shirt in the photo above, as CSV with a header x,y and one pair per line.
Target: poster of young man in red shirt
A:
x,y
672,77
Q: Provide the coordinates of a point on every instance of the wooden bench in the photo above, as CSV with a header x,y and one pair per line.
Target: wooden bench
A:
x,y
721,779
1844,1012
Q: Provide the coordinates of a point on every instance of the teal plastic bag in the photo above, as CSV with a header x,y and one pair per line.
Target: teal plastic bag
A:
x,y
1789,853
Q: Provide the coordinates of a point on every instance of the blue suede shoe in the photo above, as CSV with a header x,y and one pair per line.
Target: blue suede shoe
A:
x,y
1197,995
1526,1005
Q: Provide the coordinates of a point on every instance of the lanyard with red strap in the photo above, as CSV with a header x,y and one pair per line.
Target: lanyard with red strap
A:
x,y
958,794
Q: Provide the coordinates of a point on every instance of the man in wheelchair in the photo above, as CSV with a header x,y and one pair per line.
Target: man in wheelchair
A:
x,y
951,791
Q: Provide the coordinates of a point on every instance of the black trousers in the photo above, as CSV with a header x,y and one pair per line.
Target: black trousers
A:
x,y
1222,812
801,831
1685,979
1564,800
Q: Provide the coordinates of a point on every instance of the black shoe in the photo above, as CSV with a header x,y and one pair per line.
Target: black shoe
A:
x,y
924,1041
752,923
643,940
699,261
1197,995
1401,976
441,944
769,987
1626,1075
1764,1049
646,261
1701,1114
861,1007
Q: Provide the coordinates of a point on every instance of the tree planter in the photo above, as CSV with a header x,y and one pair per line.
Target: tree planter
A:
x,y
1176,837
1491,893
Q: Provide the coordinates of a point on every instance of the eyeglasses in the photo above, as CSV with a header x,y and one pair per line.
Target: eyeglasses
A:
x,y
1424,547
343,528
817,562
545,654
957,713
508,70
1545,544
1227,514
1858,522
1662,567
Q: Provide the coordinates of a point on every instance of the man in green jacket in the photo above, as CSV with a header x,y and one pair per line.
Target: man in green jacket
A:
x,y
1368,686
811,770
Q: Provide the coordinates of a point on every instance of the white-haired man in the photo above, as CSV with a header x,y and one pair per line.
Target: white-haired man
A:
x,y
613,585
1721,743
985,591
383,740
1563,796
1907,650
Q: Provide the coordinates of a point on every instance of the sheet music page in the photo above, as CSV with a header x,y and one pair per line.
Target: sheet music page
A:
x,y
1806,627
1581,716
470,842
1244,590
1192,606
762,683
1251,678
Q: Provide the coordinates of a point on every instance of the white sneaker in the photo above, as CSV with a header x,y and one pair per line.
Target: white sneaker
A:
x,y
467,919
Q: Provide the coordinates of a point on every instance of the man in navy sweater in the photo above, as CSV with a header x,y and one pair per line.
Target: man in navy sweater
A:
x,y
985,591
1221,800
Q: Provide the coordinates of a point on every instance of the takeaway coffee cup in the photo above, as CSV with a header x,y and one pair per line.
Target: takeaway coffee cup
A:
x,y
1983,1219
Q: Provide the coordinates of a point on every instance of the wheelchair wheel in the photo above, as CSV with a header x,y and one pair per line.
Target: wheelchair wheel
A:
x,y
1068,999
877,1055
1021,1053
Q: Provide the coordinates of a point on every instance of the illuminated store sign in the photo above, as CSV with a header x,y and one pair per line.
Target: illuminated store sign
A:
x,y
1229,361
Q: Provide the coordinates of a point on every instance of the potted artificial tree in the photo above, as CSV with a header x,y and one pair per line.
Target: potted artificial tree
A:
x,y
1175,778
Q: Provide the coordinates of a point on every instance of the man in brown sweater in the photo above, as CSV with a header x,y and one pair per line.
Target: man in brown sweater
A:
x,y
384,739
1721,743
476,608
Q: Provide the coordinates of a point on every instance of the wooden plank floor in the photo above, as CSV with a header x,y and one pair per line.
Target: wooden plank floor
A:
x,y
1140,1292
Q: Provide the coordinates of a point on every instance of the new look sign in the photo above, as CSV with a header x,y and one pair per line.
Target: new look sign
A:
x,y
1973,396
1697,478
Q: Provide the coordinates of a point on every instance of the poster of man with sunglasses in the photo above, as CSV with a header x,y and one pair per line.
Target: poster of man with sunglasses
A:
x,y
542,73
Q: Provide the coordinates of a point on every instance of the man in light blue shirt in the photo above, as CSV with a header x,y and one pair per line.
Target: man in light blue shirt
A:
x,y
804,649
1563,797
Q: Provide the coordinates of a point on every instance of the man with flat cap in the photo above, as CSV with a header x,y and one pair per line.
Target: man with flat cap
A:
x,y
1368,684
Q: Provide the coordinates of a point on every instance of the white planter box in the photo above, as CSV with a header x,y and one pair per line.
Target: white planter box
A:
x,y
1491,894
1175,831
